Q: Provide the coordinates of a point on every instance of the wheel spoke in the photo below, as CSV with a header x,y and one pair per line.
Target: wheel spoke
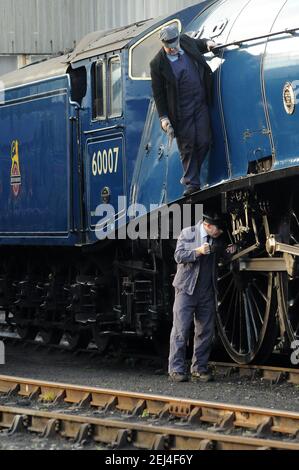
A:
x,y
247,323
295,218
227,291
241,349
260,292
234,319
293,239
252,316
229,310
224,276
255,304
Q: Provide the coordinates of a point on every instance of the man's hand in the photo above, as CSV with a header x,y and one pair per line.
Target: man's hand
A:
x,y
165,123
170,132
211,45
231,249
204,249
170,135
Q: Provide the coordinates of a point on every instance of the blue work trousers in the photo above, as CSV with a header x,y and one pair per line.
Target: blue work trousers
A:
x,y
200,308
193,139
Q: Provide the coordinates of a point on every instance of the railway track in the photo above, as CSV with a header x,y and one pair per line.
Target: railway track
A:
x,y
269,373
124,420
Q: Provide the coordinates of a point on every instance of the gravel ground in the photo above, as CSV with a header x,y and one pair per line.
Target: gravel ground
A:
x,y
139,376
133,375
33,442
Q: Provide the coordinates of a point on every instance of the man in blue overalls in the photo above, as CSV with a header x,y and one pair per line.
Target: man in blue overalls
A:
x,y
182,89
195,295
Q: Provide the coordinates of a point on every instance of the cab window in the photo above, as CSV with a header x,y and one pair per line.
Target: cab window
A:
x,y
115,92
99,91
144,51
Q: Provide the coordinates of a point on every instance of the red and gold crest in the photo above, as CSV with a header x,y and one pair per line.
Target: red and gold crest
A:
x,y
15,172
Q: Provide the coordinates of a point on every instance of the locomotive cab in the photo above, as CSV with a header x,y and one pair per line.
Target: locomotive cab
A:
x,y
112,107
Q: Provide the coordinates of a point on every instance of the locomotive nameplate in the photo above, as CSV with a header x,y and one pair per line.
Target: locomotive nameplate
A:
x,y
289,98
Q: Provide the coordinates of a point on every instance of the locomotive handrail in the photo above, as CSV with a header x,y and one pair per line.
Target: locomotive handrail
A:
x,y
102,129
238,43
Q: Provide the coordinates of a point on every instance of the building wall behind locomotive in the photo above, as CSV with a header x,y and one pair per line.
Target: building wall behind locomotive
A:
x,y
43,27
252,130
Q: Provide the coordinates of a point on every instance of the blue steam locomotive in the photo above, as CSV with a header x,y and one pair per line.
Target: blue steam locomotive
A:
x,y
81,130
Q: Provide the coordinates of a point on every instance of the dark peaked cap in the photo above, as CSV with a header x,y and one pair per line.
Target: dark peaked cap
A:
x,y
212,218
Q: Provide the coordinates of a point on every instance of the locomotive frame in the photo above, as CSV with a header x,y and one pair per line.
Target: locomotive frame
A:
x,y
94,135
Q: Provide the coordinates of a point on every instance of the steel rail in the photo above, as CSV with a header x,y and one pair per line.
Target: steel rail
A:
x,y
120,434
222,417
123,400
270,373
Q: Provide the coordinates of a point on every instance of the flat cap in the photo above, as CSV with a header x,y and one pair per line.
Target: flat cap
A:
x,y
170,35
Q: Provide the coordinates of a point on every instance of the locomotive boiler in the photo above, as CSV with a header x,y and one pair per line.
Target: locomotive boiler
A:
x,y
82,130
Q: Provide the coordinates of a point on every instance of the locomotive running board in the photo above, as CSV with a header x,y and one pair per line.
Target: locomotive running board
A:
x,y
263,264
287,263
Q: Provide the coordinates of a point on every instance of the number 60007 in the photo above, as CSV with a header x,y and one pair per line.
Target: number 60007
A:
x,y
105,161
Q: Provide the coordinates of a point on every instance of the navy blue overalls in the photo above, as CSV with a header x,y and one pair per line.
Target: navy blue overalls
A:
x,y
200,308
193,130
